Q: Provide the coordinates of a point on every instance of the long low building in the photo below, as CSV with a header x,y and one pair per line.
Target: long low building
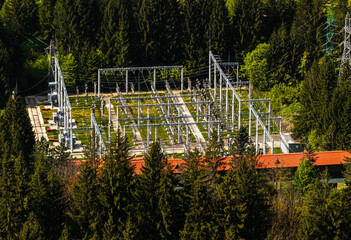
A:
x,y
332,159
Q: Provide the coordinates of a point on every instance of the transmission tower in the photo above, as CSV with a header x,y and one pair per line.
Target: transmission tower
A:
x,y
346,55
330,30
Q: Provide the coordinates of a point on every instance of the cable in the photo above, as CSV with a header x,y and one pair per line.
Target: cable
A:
x,y
26,90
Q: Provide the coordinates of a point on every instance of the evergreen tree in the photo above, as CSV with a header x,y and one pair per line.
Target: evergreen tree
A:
x,y
196,14
246,194
116,33
158,23
219,24
116,182
16,134
321,219
46,18
14,179
4,81
247,25
21,17
314,115
156,196
84,205
306,32
305,176
46,198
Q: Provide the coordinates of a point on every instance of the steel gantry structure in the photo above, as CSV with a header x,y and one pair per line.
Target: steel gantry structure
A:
x,y
222,103
126,71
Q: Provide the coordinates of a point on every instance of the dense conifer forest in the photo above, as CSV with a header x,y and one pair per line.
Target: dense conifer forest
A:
x,y
281,46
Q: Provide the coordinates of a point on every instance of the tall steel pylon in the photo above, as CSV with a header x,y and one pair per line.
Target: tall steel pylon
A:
x,y
346,55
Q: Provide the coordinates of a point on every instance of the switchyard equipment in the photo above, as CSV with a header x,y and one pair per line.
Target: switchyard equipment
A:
x,y
216,106
222,104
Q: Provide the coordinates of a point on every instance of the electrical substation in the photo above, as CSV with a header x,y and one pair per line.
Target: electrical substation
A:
x,y
158,103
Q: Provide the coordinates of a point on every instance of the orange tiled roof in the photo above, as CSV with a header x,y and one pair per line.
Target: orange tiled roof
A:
x,y
267,161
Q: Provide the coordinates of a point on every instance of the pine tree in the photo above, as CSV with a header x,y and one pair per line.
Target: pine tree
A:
x,y
16,134
159,31
248,201
116,33
14,179
46,198
116,184
321,219
196,14
84,206
46,18
21,17
199,201
219,24
156,197
314,115
305,176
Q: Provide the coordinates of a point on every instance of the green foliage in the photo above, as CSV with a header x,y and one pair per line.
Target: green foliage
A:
x,y
69,67
321,220
305,176
256,66
16,134
156,209
116,185
85,206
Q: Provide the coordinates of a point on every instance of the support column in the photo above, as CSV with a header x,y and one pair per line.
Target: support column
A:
x,y
109,120
187,135
182,79
71,131
127,82
99,82
197,108
138,111
226,101
256,135
264,142
156,133
220,92
209,72
117,119
215,81
178,126
270,115
148,126
95,90
233,109
239,116
154,83
250,106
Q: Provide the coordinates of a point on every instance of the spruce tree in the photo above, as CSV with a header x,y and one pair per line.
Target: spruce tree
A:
x,y
321,219
156,209
116,184
116,33
85,208
200,201
248,203
16,134
46,198
46,18
14,190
